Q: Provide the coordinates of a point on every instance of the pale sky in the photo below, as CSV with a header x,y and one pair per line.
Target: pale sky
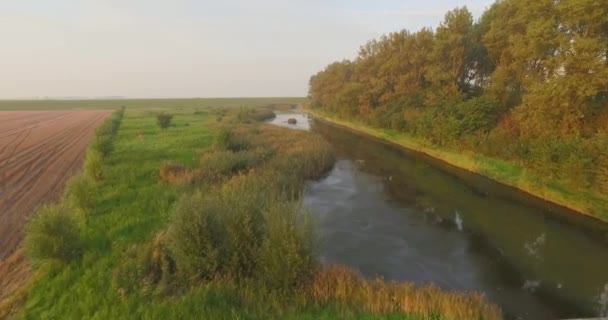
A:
x,y
188,48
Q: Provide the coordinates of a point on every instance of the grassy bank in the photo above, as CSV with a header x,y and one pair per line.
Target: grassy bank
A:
x,y
203,220
585,202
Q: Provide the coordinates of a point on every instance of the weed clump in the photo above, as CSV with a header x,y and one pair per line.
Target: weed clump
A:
x,y
80,194
53,234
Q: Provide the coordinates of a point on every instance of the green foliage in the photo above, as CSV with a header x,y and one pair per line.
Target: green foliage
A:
x,y
286,258
219,164
527,69
104,134
249,227
164,120
53,234
93,165
237,231
102,143
80,194
146,268
226,139
196,236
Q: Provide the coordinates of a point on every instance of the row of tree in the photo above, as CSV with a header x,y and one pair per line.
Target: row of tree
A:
x,y
527,82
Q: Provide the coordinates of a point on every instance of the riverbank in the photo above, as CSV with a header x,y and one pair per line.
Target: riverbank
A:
x,y
583,202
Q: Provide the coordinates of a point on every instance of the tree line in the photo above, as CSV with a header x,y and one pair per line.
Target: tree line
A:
x,y
526,82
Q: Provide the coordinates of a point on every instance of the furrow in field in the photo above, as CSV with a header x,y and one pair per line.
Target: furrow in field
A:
x,y
45,133
39,151
33,164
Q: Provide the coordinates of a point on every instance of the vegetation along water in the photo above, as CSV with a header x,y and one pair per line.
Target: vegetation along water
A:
x,y
520,95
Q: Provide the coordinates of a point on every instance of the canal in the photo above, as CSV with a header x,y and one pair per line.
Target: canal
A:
x,y
400,215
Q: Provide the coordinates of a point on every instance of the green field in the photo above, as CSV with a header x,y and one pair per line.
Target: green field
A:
x,y
146,103
151,175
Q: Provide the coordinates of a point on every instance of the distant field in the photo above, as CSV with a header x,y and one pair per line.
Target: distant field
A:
x,y
146,103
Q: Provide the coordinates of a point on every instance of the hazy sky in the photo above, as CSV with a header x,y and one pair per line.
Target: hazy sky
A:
x,y
188,48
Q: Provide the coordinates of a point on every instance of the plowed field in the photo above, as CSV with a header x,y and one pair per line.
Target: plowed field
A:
x,y
39,151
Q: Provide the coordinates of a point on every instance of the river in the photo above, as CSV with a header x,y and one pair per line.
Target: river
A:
x,y
388,212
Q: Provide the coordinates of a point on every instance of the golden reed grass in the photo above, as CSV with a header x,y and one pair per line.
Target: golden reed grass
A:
x,y
341,285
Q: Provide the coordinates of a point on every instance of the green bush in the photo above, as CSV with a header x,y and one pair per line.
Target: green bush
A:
x,y
196,237
80,194
475,114
148,267
102,144
93,165
164,120
240,231
287,256
104,134
243,200
226,139
53,233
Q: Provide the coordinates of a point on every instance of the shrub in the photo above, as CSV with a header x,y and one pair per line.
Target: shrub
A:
x,y
93,165
80,194
226,139
146,267
164,120
53,233
241,230
287,257
102,144
196,237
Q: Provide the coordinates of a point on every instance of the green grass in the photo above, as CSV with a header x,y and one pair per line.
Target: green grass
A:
x,y
174,104
585,202
132,204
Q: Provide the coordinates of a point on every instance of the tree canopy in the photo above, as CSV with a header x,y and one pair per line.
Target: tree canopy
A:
x,y
526,82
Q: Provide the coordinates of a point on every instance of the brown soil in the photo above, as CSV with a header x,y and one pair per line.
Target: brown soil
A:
x,y
39,151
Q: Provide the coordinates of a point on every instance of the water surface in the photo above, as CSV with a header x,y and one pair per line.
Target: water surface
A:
x,y
396,214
